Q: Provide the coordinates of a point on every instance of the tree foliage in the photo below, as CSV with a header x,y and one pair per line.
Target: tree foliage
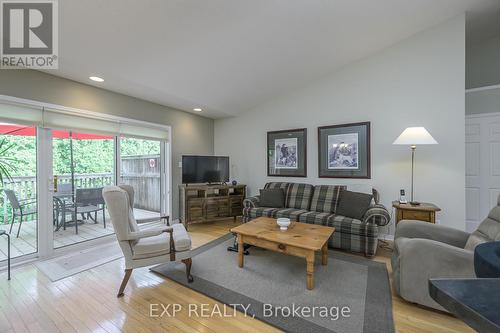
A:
x,y
89,156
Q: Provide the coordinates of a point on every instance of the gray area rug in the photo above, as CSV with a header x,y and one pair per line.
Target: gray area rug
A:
x,y
271,279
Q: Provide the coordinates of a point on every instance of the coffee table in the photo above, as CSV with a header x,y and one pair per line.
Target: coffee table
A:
x,y
300,240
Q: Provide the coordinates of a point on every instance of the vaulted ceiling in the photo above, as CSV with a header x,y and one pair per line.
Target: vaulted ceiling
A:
x,y
228,56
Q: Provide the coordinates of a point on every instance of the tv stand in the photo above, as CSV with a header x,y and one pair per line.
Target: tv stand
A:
x,y
204,203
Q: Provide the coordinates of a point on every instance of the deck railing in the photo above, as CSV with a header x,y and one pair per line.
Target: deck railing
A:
x,y
142,172
25,188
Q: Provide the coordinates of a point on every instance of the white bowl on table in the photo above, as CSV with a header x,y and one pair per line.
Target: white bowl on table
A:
x,y
283,223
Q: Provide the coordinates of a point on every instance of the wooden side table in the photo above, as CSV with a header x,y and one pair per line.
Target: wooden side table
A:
x,y
423,212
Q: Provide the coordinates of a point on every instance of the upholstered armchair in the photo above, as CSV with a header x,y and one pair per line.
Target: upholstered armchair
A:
x,y
148,246
423,251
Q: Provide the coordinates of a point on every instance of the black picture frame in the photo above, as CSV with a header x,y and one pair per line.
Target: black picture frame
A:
x,y
296,136
356,163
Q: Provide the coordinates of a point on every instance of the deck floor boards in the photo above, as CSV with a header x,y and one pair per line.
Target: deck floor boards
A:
x,y
27,241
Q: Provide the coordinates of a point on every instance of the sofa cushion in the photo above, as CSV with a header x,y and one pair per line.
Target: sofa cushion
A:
x,y
299,196
262,211
160,244
152,245
326,198
315,218
272,197
291,213
353,204
488,230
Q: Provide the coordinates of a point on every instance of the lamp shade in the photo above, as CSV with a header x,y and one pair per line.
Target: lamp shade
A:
x,y
415,136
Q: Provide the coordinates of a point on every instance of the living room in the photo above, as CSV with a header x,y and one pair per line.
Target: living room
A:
x,y
256,166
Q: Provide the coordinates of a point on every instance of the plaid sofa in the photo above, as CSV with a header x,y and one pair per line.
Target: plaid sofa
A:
x,y
317,205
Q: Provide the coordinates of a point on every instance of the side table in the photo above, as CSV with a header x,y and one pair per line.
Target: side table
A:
x,y
423,212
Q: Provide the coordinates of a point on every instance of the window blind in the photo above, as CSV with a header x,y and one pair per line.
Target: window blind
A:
x,y
63,120
20,114
24,114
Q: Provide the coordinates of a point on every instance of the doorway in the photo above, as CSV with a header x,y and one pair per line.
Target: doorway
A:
x,y
482,166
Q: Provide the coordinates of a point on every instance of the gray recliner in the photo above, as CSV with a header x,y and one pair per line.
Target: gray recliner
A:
x,y
423,251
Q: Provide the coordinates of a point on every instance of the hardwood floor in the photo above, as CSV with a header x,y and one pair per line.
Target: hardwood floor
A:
x,y
87,302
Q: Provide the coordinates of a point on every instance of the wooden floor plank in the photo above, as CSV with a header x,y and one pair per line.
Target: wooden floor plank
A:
x,y
87,302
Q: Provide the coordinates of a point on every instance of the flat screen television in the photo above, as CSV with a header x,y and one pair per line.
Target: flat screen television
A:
x,y
205,169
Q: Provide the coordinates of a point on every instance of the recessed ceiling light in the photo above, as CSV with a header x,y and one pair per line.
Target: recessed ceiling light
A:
x,y
197,109
96,78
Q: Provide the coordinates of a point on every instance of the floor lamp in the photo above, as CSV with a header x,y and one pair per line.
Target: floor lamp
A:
x,y
414,136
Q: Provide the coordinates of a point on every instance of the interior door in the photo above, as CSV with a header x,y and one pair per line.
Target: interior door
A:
x,y
482,156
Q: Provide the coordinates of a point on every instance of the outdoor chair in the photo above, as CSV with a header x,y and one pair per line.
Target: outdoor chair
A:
x,y
20,208
144,247
63,198
87,201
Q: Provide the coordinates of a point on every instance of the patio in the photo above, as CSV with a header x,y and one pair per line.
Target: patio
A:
x,y
26,243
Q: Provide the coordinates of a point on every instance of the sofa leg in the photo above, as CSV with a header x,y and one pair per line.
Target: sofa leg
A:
x,y
188,262
128,272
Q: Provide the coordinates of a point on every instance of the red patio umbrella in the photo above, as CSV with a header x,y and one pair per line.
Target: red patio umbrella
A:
x,y
9,129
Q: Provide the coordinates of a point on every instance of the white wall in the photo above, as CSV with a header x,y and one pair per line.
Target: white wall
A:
x,y
482,101
418,82
483,63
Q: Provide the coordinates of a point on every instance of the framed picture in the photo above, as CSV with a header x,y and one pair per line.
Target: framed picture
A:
x,y
344,151
287,153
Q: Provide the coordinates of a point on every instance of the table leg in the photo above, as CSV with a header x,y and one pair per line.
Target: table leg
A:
x,y
240,250
324,254
310,270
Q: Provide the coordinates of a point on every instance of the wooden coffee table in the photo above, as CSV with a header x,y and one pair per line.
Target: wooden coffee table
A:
x,y
300,240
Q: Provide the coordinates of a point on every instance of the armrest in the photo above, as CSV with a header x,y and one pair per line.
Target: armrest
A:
x,y
432,259
419,260
378,215
251,202
135,235
439,233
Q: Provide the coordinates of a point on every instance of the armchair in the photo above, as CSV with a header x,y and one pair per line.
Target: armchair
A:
x,y
423,251
144,247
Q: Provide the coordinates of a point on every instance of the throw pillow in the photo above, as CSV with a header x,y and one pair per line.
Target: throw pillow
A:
x,y
353,204
272,197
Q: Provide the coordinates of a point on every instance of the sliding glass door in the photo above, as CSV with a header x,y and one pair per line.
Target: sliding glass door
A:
x,y
140,167
54,164
82,163
18,188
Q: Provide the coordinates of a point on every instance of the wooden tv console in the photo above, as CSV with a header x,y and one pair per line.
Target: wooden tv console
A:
x,y
203,203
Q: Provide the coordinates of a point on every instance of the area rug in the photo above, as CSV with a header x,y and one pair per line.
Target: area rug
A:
x,y
61,267
351,294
